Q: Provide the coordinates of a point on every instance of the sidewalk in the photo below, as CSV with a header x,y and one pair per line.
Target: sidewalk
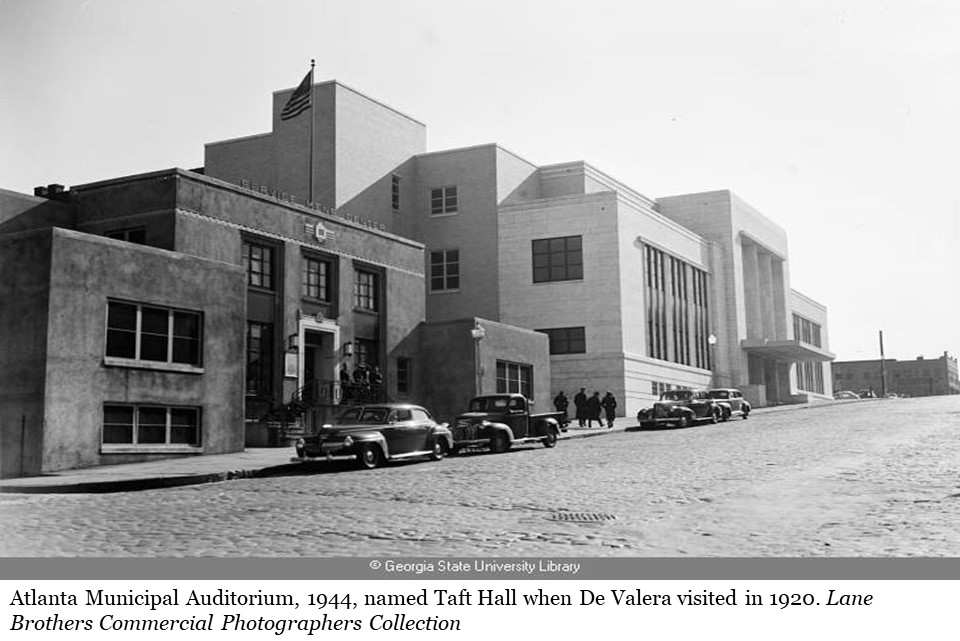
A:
x,y
251,463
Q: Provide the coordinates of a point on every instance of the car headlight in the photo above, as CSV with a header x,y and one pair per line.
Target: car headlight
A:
x,y
348,441
300,443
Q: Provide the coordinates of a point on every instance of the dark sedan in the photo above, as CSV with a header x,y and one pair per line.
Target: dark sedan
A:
x,y
731,402
377,433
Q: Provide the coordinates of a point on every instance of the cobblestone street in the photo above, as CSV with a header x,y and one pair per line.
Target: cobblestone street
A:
x,y
877,478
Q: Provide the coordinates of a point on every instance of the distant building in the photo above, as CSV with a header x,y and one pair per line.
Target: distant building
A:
x,y
920,377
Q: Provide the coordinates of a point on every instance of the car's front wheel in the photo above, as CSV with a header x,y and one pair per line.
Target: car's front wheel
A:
x,y
499,443
550,440
369,456
683,421
438,451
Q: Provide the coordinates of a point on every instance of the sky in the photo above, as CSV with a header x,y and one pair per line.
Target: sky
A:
x,y
839,120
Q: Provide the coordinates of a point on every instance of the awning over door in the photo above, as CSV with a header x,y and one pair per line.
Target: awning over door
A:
x,y
786,350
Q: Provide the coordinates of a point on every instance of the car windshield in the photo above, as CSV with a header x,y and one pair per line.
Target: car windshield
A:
x,y
366,415
718,393
489,404
677,395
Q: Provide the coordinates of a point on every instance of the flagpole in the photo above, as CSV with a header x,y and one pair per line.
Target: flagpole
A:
x,y
312,118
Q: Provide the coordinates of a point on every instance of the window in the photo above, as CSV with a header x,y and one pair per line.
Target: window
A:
x,y
403,376
150,425
259,358
514,378
316,278
136,235
443,200
556,259
395,192
810,376
154,334
366,352
258,261
677,310
366,290
445,270
806,331
566,340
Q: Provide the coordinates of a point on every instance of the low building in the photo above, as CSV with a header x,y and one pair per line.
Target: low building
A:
x,y
919,377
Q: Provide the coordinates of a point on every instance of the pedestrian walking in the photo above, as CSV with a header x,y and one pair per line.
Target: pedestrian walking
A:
x,y
561,403
593,410
580,404
609,404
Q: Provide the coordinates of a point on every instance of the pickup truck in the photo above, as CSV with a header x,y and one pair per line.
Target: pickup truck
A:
x,y
498,421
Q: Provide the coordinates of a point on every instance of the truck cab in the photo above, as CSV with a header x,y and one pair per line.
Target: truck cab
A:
x,y
497,421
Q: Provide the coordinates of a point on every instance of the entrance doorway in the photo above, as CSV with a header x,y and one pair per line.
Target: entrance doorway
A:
x,y
319,391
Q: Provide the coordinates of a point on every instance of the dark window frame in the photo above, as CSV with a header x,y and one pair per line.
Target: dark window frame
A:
x,y
566,340
447,277
140,426
557,259
522,383
367,286
260,262
444,201
180,338
136,235
322,287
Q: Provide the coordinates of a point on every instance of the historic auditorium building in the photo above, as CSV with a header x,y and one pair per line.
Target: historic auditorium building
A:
x,y
183,312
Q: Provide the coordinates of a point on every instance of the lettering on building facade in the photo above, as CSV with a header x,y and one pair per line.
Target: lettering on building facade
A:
x,y
283,196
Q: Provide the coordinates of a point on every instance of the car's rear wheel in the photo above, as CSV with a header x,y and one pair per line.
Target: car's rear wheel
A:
x,y
746,411
499,443
684,421
369,456
439,450
550,440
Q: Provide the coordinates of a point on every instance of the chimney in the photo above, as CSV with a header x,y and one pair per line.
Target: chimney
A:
x,y
40,191
53,189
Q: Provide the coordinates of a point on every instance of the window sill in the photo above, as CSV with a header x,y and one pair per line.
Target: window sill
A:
x,y
150,449
554,282
445,291
445,214
180,368
368,312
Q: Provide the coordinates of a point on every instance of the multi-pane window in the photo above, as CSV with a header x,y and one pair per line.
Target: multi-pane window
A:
x,y
366,352
443,200
677,310
806,330
810,376
395,192
514,378
404,374
136,235
366,290
556,259
566,340
156,334
150,425
316,278
258,260
259,358
444,270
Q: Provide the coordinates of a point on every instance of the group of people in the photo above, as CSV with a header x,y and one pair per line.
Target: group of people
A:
x,y
588,409
365,384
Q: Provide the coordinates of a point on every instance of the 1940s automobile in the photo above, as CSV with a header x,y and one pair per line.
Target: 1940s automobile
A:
x,y
681,408
731,402
377,433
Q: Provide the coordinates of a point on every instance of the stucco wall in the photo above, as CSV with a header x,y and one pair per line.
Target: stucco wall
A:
x,y
448,363
87,271
25,296
472,230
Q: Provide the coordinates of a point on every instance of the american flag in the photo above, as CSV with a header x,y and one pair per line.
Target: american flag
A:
x,y
300,100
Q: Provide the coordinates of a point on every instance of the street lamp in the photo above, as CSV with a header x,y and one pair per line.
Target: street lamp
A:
x,y
712,341
477,333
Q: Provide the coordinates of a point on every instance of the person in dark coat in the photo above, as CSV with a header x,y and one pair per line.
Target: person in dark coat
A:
x,y
561,403
580,403
593,410
609,404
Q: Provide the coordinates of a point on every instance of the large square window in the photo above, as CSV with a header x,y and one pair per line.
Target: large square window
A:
x,y
557,259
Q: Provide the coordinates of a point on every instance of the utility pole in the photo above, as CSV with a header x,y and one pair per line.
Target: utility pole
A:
x,y
883,371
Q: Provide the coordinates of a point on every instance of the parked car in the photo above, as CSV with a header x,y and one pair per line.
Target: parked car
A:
x,y
845,395
498,421
681,408
867,393
378,433
731,402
